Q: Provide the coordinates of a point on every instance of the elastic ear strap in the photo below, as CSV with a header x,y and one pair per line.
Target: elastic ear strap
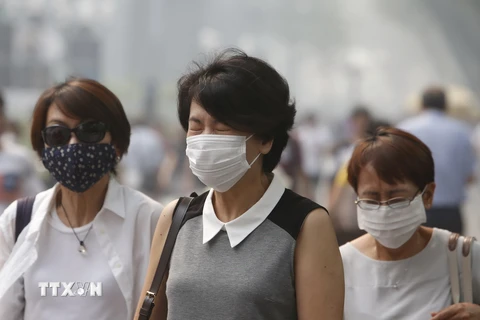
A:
x,y
467,269
250,164
453,267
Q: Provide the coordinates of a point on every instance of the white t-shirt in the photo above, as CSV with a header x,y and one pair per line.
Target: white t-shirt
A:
x,y
405,289
94,293
314,142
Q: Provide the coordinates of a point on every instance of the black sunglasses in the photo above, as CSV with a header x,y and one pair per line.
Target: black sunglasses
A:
x,y
86,132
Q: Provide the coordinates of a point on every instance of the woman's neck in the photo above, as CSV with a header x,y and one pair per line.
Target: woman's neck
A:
x,y
236,201
81,208
412,247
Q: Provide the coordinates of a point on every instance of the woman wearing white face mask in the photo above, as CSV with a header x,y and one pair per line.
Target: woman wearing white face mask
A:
x,y
400,269
250,248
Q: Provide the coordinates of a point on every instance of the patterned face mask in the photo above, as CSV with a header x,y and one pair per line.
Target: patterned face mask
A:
x,y
79,166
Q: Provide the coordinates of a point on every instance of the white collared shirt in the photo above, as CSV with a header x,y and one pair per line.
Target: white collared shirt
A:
x,y
123,228
239,228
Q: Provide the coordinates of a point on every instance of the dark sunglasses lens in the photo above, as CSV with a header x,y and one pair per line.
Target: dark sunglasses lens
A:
x,y
56,136
91,132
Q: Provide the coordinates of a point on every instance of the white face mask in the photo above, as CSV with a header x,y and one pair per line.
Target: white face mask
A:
x,y
219,161
393,227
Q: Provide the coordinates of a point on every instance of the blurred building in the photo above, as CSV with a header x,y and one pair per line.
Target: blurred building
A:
x,y
333,53
6,39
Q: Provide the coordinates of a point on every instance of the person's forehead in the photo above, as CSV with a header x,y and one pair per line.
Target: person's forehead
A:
x,y
55,115
369,179
197,110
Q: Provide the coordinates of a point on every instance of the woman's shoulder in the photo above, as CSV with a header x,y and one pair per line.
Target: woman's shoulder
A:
x,y
197,204
8,226
133,197
195,208
441,239
353,250
40,198
292,210
296,200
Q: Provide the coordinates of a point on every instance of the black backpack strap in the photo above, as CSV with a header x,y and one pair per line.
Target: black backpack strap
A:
x,y
178,217
24,214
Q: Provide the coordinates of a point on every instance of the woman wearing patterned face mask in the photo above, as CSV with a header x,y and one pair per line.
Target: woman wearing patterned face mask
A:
x,y
250,248
400,269
83,254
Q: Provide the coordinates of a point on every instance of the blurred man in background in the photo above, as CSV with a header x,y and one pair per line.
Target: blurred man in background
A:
x,y
150,162
18,176
140,166
453,153
315,141
289,163
341,202
358,122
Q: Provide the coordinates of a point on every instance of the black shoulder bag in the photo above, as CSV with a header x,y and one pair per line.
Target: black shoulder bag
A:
x,y
178,217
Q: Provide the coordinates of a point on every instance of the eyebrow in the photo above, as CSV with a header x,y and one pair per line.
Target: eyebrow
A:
x,y
197,120
399,190
194,119
56,121
370,193
390,192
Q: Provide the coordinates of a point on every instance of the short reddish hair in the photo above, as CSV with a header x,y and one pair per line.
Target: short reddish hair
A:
x,y
83,99
396,156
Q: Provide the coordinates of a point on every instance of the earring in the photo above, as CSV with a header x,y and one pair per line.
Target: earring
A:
x,y
118,158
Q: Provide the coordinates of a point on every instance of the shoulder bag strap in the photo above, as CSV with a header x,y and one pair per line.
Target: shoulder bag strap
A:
x,y
467,269
177,220
24,214
453,267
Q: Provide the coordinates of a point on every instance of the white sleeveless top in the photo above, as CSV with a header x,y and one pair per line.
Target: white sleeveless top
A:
x,y
405,289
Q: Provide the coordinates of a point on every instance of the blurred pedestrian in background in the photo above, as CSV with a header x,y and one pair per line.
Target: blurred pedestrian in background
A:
x,y
86,229
342,198
450,142
18,175
358,122
150,162
290,163
315,141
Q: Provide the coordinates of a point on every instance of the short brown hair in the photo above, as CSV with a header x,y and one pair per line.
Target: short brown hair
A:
x,y
84,99
396,156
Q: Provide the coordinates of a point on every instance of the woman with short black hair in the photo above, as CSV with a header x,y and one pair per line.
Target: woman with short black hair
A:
x,y
251,249
83,253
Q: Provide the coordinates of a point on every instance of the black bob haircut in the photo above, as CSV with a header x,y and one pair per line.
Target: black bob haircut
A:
x,y
244,93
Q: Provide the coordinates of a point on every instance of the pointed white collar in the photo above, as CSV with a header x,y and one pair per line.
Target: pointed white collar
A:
x,y
239,228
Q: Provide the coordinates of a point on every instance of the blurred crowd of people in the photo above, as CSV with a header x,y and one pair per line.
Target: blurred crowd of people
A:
x,y
369,188
315,160
313,164
19,168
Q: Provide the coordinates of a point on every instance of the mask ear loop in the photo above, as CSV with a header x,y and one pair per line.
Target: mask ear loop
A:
x,y
249,137
258,156
424,189
423,192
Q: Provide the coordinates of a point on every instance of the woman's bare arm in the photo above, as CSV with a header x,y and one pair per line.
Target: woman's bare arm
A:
x,y
319,278
161,232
